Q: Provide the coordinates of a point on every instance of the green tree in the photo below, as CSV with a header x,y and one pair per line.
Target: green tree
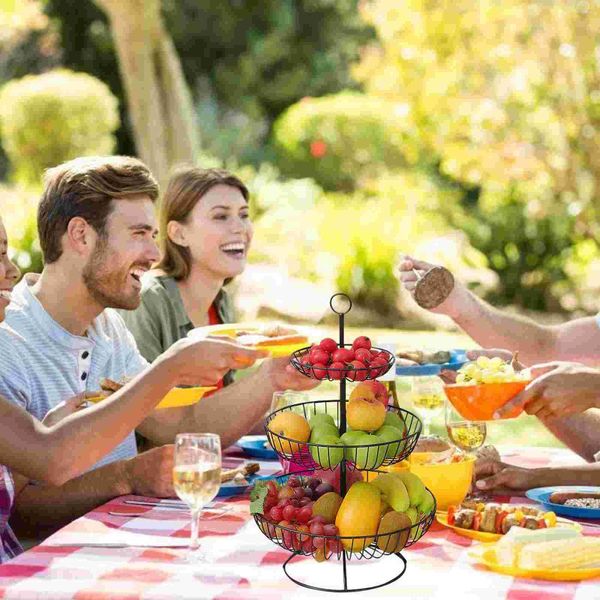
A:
x,y
506,98
254,57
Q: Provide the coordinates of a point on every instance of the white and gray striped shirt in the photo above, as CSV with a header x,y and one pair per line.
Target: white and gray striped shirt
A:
x,y
42,364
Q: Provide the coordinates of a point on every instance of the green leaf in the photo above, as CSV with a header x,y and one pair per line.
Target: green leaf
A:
x,y
257,497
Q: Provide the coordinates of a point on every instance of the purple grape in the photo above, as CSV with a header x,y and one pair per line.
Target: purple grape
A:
x,y
323,488
309,493
314,482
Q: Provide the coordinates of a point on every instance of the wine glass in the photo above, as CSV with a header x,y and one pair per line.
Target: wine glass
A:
x,y
197,478
283,400
466,435
428,397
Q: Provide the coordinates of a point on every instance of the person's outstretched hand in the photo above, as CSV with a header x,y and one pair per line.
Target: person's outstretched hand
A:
x,y
559,389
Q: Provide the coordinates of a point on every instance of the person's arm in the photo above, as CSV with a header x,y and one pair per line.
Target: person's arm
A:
x,y
501,478
42,509
231,412
63,451
578,340
581,433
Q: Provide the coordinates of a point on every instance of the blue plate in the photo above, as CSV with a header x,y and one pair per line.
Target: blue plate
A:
x,y
256,448
542,496
457,359
230,488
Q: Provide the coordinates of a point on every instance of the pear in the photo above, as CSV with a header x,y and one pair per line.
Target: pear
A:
x,y
391,435
328,457
393,490
414,486
320,419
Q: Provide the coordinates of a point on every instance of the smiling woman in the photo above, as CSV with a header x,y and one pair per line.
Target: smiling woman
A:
x,y
205,237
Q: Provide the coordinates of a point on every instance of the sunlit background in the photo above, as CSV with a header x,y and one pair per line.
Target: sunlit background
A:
x,y
462,132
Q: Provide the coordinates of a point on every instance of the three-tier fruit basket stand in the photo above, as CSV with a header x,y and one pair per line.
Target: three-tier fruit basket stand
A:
x,y
313,456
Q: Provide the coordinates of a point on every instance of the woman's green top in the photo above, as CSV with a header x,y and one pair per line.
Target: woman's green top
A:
x,y
161,319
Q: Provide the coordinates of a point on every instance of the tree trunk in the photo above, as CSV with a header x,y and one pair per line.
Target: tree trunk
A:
x,y
159,102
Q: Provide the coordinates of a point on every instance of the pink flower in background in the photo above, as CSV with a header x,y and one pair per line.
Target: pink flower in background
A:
x,y
318,148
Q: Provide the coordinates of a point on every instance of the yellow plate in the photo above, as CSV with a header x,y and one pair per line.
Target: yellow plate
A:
x,y
484,536
275,350
486,555
175,398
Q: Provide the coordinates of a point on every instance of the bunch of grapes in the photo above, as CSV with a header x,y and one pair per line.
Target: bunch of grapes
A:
x,y
290,506
488,370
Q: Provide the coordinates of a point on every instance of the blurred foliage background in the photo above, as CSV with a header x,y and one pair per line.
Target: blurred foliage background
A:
x,y
460,132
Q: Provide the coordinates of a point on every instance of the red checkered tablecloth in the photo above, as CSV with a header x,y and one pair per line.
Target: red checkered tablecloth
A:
x,y
247,565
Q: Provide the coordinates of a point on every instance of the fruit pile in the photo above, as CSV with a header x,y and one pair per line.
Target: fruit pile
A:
x,y
489,370
307,516
299,507
375,435
358,362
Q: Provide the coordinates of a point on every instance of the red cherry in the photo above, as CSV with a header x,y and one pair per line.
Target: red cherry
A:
x,y
299,493
360,373
362,341
329,345
336,370
319,371
363,355
343,355
290,512
276,514
318,355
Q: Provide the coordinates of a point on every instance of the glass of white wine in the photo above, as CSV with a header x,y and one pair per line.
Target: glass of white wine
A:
x,y
283,400
428,397
466,435
197,478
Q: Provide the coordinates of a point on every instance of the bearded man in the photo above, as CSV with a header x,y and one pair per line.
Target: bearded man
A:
x,y
97,232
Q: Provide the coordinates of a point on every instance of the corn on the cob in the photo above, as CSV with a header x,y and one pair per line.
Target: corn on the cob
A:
x,y
509,548
577,553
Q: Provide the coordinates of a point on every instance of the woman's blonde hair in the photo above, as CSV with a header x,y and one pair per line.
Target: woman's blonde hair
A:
x,y
184,190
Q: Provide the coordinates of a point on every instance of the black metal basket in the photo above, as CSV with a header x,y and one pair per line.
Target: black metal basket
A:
x,y
355,547
326,456
298,360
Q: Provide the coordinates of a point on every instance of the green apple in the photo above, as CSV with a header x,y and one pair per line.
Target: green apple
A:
x,y
394,420
370,456
330,454
390,434
320,419
322,429
350,438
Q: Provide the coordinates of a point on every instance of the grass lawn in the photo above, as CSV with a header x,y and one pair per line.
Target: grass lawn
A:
x,y
524,431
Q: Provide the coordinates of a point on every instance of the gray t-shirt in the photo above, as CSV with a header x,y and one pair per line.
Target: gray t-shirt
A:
x,y
42,364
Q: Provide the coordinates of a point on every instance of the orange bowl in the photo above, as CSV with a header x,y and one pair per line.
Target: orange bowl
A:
x,y
480,402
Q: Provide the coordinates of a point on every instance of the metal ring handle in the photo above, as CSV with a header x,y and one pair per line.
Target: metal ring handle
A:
x,y
346,299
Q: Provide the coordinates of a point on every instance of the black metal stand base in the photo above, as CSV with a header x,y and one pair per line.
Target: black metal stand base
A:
x,y
344,587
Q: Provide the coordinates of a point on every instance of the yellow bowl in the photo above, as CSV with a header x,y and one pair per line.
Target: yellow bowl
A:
x,y
449,482
175,398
